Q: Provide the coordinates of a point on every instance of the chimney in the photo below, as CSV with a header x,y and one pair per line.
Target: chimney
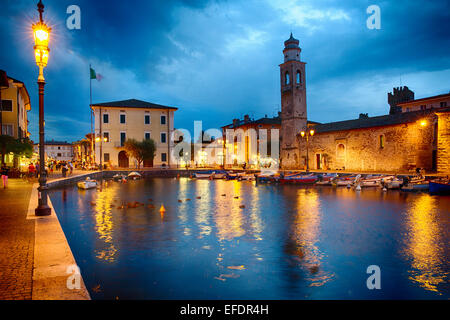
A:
x,y
235,122
246,118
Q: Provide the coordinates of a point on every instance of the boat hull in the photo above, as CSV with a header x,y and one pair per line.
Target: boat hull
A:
x,y
85,185
439,188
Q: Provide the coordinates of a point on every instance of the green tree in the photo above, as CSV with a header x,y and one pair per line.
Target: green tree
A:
x,y
19,148
144,150
148,149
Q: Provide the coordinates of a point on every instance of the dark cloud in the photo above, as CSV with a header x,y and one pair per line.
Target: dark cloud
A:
x,y
217,60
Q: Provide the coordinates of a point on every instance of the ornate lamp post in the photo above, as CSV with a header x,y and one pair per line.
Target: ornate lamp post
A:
x,y
303,134
41,34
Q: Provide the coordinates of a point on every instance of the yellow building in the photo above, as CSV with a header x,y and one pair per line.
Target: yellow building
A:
x,y
14,118
118,121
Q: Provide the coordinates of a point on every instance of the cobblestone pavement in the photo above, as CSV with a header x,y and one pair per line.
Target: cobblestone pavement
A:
x,y
16,241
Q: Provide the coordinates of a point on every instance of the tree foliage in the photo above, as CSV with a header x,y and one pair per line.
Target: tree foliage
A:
x,y
16,146
140,150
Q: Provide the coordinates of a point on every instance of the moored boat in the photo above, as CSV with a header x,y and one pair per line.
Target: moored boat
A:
x,y
134,175
300,179
375,181
326,179
416,187
210,174
395,183
268,176
440,187
87,184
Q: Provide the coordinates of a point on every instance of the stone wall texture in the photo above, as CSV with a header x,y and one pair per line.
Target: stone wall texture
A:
x,y
443,146
406,147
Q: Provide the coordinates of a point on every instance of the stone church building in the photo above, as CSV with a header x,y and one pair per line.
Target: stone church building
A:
x,y
415,133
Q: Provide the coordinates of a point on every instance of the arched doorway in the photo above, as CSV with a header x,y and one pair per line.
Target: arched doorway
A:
x,y
123,160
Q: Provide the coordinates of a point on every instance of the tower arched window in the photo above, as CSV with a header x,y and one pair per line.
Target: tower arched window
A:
x,y
287,80
299,77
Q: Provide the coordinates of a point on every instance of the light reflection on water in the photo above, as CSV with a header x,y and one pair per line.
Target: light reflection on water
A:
x,y
423,244
235,240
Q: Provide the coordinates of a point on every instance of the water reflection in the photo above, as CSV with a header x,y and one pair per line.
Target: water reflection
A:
x,y
240,241
305,237
203,210
229,216
424,243
183,208
256,223
104,224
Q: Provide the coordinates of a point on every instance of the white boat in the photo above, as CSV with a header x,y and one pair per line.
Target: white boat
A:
x,y
134,175
87,184
375,181
345,181
245,176
395,183
206,175
219,175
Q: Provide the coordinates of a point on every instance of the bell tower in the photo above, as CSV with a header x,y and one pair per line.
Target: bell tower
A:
x,y
293,102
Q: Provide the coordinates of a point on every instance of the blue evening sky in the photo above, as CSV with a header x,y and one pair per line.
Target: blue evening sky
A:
x,y
218,60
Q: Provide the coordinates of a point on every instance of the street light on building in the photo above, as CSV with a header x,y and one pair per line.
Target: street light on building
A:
x,y
306,135
41,34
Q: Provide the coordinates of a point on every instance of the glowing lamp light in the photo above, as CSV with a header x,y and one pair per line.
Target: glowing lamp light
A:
x,y
423,123
41,33
302,133
311,132
97,139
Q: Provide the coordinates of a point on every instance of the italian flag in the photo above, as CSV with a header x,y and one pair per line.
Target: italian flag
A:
x,y
94,75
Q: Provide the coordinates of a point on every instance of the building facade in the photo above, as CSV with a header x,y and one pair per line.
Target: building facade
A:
x,y
56,150
406,139
117,121
14,113
246,139
415,133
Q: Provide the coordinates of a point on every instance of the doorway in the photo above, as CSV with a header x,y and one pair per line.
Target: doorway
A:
x,y
148,163
318,161
123,160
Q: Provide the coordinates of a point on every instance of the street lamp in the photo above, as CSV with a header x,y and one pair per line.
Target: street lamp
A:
x,y
303,134
41,34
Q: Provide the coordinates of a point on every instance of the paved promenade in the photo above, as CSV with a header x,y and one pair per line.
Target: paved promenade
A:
x,y
16,242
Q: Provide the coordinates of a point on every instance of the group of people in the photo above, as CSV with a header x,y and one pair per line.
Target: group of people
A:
x,y
52,165
64,166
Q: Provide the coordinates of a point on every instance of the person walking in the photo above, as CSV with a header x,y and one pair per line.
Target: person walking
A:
x,y
31,170
5,171
64,170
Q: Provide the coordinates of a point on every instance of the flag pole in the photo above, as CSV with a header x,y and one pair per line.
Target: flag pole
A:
x,y
90,108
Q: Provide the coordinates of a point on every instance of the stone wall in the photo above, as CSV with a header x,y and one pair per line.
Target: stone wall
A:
x,y
406,147
443,147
